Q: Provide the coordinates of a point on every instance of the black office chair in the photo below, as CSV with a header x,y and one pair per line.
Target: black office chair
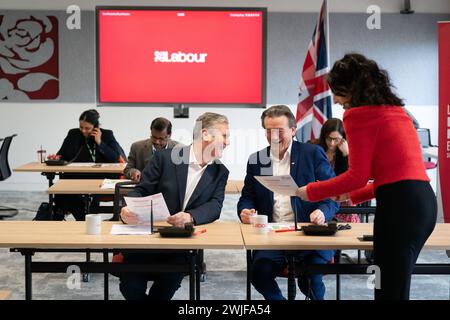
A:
x,y
425,142
121,189
5,173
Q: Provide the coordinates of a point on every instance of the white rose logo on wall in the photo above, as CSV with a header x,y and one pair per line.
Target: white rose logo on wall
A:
x,y
28,58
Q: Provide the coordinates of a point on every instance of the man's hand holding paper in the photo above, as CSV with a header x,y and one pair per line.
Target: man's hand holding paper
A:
x,y
138,209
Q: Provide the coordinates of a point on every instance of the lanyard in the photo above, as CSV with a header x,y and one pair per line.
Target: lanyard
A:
x,y
91,151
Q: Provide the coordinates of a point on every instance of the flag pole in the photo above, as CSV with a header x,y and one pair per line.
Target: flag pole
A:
x,y
327,16
328,33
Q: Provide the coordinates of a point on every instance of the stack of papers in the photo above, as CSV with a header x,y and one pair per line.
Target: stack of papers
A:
x,y
282,226
142,208
122,229
111,183
81,164
112,165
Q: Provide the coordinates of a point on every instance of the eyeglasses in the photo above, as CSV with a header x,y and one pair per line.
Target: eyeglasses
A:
x,y
337,140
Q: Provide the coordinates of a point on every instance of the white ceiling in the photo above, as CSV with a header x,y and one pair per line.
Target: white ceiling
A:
x,y
387,6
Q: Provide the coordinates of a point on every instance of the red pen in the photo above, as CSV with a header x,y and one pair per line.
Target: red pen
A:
x,y
284,230
196,232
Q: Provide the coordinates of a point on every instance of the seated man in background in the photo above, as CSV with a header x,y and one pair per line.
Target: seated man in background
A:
x,y
192,181
305,163
141,152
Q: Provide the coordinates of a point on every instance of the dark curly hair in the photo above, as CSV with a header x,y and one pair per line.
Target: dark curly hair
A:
x,y
362,81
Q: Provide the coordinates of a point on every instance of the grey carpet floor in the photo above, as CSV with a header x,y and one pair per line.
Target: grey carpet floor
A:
x,y
226,276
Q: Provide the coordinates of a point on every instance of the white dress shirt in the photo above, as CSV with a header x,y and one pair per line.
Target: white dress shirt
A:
x,y
282,209
195,173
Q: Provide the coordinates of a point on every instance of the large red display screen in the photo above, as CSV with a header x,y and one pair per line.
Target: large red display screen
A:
x,y
155,55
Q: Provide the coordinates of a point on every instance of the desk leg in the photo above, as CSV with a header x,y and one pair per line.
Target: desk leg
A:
x,y
106,276
87,203
28,276
338,276
50,177
249,275
88,259
197,275
291,277
192,275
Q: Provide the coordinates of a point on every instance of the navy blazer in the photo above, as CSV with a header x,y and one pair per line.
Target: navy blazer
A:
x,y
308,164
74,148
163,174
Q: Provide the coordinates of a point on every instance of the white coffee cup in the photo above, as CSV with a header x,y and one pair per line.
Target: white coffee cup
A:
x,y
260,224
93,224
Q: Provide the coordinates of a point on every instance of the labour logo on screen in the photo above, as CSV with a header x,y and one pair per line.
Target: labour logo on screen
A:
x,y
179,57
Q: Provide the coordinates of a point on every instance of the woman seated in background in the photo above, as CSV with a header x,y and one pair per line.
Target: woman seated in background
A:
x,y
332,140
88,143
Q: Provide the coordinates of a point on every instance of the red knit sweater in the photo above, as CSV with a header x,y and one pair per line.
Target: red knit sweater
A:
x,y
383,145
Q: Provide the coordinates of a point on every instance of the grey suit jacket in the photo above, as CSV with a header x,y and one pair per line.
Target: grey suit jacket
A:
x,y
141,153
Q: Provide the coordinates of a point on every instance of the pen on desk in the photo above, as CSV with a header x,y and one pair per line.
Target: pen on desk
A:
x,y
284,230
196,232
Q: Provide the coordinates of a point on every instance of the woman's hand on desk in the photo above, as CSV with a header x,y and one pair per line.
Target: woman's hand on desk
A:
x,y
54,157
128,217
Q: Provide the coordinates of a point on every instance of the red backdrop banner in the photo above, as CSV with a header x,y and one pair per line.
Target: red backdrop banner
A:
x,y
444,117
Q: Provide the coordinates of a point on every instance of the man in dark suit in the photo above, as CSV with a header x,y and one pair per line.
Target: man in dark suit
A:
x,y
192,181
141,152
305,163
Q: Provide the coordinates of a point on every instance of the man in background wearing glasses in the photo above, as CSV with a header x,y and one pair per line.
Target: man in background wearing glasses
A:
x,y
141,152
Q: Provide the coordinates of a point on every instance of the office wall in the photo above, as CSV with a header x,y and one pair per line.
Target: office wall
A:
x,y
406,46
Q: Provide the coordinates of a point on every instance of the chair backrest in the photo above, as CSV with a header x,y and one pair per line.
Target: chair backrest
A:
x,y
5,170
424,137
121,189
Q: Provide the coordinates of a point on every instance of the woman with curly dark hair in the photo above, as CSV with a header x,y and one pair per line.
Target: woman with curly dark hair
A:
x,y
383,145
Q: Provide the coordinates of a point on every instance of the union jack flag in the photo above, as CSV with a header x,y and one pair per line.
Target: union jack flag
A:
x,y
314,106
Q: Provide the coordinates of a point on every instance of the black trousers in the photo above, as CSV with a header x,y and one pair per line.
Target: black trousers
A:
x,y
405,217
133,286
74,204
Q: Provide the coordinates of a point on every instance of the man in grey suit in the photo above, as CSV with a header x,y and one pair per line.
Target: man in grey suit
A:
x,y
141,152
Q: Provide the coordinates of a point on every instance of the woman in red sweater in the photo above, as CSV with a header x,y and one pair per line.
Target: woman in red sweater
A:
x,y
383,146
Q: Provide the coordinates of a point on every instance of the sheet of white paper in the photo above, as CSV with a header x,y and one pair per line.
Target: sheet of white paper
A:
x,y
284,185
111,183
282,226
121,229
81,164
141,207
113,165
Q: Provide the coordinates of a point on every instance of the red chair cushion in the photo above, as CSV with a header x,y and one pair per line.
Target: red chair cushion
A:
x,y
430,165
